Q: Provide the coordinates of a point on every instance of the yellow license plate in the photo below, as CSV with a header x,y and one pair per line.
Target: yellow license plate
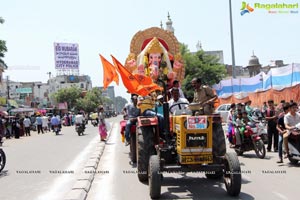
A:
x,y
196,159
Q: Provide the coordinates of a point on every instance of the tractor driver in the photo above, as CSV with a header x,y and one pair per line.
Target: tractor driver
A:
x,y
176,99
203,95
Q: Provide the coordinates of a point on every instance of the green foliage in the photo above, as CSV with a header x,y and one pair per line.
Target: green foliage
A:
x,y
91,101
69,95
200,65
120,103
3,47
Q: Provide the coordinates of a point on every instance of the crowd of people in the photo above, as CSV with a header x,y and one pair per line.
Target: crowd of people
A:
x,y
280,120
23,124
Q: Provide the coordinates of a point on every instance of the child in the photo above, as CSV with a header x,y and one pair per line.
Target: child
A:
x,y
239,123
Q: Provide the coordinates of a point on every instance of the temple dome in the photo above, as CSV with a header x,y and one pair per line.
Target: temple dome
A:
x,y
253,61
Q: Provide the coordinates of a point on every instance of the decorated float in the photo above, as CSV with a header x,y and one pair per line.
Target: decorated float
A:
x,y
155,52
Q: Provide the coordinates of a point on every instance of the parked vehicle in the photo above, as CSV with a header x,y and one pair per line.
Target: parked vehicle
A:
x,y
2,159
223,110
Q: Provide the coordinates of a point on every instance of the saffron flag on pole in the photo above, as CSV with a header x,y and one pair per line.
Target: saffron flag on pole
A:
x,y
135,84
109,72
129,81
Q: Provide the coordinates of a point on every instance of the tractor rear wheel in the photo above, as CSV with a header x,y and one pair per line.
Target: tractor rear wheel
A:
x,y
133,147
219,146
145,148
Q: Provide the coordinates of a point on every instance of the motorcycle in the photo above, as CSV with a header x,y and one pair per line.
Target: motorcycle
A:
x,y
132,139
249,142
294,145
94,122
56,129
259,125
79,129
2,159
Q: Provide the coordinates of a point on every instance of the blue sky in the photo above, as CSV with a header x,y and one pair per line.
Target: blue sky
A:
x,y
107,27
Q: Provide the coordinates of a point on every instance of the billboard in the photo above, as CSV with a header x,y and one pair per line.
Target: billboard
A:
x,y
66,56
24,90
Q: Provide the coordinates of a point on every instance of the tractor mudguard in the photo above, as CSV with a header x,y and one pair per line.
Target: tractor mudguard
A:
x,y
147,121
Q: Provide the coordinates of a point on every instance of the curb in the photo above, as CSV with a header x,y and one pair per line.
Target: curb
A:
x,y
85,179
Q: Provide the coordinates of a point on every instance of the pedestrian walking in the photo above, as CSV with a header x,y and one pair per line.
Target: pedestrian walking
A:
x,y
39,122
271,118
27,124
45,123
282,130
102,126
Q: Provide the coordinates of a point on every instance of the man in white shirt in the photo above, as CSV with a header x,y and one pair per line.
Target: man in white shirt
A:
x,y
27,124
177,85
176,100
45,123
79,118
290,121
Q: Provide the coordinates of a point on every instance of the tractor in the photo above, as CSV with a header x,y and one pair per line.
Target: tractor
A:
x,y
192,143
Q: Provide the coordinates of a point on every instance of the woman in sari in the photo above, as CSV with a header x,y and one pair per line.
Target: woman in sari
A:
x,y
102,126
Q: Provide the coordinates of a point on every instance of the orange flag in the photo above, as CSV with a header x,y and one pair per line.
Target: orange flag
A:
x,y
144,80
109,72
129,81
135,84
146,89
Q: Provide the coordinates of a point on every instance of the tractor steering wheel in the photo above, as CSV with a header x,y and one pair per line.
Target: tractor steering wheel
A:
x,y
179,105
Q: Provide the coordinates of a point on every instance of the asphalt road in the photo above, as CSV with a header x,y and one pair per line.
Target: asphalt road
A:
x,y
116,179
45,166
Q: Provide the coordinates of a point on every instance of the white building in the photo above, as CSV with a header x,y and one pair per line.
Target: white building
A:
x,y
37,92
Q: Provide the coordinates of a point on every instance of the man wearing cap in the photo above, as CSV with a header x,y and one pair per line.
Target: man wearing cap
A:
x,y
132,113
177,100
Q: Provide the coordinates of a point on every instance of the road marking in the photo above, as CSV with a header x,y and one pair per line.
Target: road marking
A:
x,y
280,195
61,183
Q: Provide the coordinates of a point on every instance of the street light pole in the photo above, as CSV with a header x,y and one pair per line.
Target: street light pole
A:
x,y
7,88
232,44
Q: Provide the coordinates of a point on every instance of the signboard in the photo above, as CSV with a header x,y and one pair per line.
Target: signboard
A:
x,y
24,90
196,122
66,56
63,106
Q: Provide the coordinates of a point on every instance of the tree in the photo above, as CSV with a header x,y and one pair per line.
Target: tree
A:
x,y
200,65
120,103
91,101
3,47
69,95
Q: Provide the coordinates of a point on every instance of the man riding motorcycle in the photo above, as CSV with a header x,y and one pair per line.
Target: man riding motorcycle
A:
x,y
80,120
132,113
290,121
